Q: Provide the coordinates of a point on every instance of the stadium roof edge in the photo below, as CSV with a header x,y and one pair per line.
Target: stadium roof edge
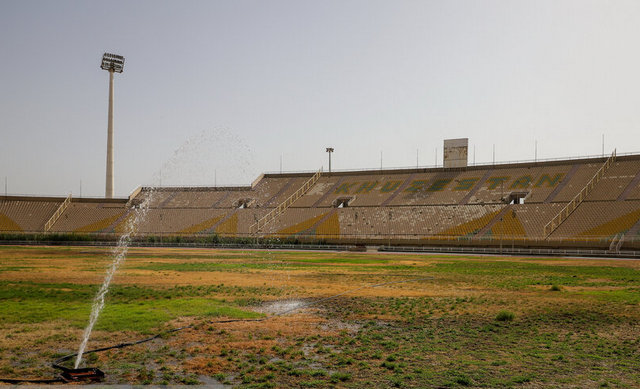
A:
x,y
62,198
439,169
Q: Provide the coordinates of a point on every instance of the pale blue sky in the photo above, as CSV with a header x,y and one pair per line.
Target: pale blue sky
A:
x,y
229,87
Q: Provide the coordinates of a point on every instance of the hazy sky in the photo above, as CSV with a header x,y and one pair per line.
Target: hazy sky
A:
x,y
219,91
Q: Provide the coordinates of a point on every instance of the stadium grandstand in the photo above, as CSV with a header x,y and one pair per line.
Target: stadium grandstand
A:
x,y
585,203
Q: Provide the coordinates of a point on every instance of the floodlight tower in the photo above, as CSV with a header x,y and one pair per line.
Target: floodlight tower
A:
x,y
329,150
113,64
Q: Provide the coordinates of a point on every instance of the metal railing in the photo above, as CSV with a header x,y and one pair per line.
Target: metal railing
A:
x,y
54,218
271,244
579,198
471,164
277,211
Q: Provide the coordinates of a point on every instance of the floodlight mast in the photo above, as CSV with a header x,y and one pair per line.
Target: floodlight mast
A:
x,y
113,64
329,150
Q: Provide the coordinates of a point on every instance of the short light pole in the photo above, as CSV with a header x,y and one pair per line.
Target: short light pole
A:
x,y
329,150
501,233
389,230
112,63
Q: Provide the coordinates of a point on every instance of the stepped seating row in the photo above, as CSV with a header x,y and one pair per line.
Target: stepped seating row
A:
x,y
267,193
526,220
413,222
419,203
88,217
615,181
28,216
602,218
542,183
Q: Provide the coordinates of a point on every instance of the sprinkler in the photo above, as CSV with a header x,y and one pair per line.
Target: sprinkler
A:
x,y
93,374
83,374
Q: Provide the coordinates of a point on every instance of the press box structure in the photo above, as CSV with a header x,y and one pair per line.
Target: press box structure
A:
x,y
456,152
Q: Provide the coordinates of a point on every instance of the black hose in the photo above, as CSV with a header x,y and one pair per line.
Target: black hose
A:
x,y
33,381
57,363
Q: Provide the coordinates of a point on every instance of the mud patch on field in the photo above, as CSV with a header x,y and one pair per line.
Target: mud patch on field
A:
x,y
281,307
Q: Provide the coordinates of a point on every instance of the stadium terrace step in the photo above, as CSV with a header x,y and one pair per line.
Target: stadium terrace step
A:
x,y
483,231
168,199
328,193
399,190
220,222
579,198
280,192
282,207
632,185
562,184
477,187
56,215
312,229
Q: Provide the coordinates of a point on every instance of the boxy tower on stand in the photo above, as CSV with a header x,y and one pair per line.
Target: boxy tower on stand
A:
x,y
113,64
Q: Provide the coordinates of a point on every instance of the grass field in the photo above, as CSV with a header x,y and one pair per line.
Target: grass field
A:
x,y
469,321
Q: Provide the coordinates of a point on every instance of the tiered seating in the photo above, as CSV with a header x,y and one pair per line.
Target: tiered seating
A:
x,y
6,224
296,221
615,181
405,204
29,216
270,195
532,217
414,222
537,181
88,217
176,220
585,172
157,196
325,186
198,198
268,188
420,189
364,190
439,186
248,216
599,219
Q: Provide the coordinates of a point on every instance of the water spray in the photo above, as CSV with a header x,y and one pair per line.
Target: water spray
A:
x,y
95,374
119,253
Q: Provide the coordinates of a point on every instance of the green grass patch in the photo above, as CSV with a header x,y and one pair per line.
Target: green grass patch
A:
x,y
141,316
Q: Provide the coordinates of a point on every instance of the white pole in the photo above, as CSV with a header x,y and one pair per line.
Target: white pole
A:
x,y
380,159
280,163
109,186
80,188
535,156
494,153
603,145
436,157
5,186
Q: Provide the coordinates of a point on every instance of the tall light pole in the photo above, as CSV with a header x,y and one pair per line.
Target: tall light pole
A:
x,y
113,64
329,150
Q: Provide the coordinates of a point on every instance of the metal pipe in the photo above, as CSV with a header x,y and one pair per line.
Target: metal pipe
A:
x,y
109,185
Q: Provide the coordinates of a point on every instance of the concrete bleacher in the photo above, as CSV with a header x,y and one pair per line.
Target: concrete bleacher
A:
x,y
600,218
413,222
88,216
404,204
177,220
27,214
615,181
